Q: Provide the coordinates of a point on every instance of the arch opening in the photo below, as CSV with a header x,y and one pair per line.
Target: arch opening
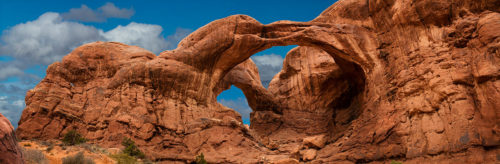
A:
x,y
270,62
314,93
235,99
320,88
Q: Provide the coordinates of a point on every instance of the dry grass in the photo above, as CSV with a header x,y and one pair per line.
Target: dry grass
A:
x,y
77,159
55,151
33,156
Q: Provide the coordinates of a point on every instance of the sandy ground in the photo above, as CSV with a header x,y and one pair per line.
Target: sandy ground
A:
x,y
58,152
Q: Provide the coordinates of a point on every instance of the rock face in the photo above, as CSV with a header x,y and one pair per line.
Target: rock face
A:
x,y
377,81
10,152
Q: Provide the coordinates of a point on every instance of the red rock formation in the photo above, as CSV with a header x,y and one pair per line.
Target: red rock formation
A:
x,y
108,91
373,80
10,152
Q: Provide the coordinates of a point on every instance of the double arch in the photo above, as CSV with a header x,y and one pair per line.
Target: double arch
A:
x,y
220,46
225,45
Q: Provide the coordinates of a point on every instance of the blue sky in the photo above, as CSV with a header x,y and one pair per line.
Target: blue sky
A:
x,y
37,33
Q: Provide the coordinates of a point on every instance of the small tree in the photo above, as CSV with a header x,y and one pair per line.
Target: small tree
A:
x,y
200,159
130,148
122,158
73,138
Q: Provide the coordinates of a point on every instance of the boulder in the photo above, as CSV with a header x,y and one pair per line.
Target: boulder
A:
x,y
308,154
317,141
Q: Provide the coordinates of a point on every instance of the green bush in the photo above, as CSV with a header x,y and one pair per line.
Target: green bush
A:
x,y
32,156
73,138
130,148
129,154
396,162
77,159
123,158
200,159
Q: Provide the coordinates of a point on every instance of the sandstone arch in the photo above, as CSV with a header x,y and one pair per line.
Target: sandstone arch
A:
x,y
236,38
225,43
178,88
429,71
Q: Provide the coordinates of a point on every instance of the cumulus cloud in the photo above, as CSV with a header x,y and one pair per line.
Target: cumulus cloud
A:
x,y
147,36
46,39
143,35
9,89
240,105
9,71
269,65
12,99
11,109
86,14
49,38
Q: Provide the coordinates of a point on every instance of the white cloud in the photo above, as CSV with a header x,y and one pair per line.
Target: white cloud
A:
x,y
46,39
49,38
269,65
240,105
12,100
11,109
143,35
18,103
270,59
86,14
13,89
9,71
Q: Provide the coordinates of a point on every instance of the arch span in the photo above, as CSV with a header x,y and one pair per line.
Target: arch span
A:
x,y
174,94
223,44
222,50
311,95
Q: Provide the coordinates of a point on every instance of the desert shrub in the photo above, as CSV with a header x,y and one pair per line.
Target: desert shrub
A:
x,y
123,158
396,162
200,159
32,156
73,138
49,148
89,147
130,148
79,158
129,154
45,143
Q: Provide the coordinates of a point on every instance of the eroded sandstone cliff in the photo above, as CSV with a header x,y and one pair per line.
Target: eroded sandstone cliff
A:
x,y
10,152
371,81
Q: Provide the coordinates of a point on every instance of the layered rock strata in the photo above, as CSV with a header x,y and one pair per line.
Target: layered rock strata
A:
x,y
371,80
